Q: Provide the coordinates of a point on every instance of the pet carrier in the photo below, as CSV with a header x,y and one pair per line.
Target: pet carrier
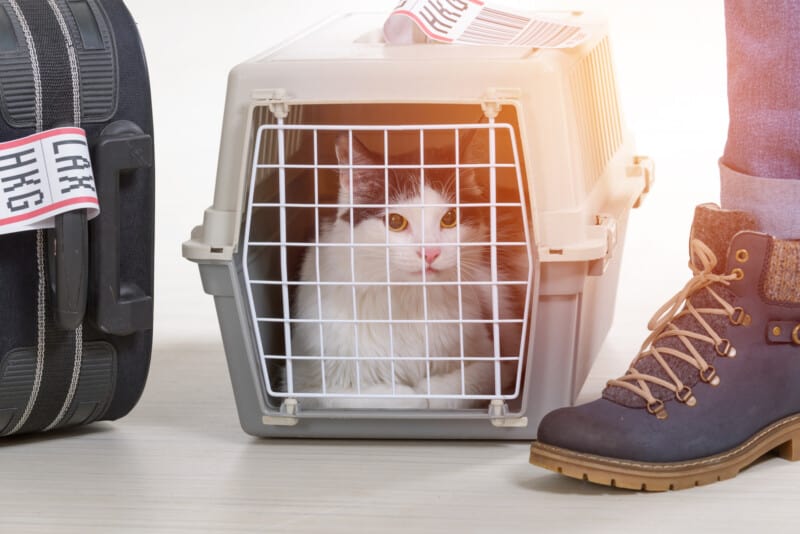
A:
x,y
75,132
415,241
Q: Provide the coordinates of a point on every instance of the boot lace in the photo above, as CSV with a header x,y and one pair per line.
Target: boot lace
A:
x,y
662,327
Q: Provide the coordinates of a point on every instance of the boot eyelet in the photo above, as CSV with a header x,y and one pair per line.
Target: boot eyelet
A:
x,y
685,396
796,335
738,316
709,375
738,274
724,347
742,255
656,408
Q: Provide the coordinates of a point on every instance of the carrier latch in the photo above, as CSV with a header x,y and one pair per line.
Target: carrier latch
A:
x,y
498,413
493,100
288,415
608,226
276,101
645,167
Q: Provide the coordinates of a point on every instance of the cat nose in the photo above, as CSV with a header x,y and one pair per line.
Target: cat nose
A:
x,y
431,253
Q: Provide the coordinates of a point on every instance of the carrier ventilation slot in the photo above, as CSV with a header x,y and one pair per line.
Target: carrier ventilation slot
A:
x,y
334,244
597,110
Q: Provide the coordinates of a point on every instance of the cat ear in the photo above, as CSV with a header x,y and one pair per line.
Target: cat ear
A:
x,y
473,146
359,156
473,149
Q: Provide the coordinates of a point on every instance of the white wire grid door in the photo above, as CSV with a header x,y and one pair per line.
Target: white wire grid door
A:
x,y
399,271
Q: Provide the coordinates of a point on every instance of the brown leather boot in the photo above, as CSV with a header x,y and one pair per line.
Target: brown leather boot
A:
x,y
715,386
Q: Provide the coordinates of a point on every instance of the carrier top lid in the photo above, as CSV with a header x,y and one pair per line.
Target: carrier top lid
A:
x,y
359,36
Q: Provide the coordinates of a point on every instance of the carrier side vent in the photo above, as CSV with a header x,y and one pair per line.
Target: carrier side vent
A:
x,y
598,118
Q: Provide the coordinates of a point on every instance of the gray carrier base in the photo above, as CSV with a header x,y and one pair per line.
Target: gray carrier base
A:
x,y
557,364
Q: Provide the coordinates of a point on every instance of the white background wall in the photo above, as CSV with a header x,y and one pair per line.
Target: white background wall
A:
x,y
670,60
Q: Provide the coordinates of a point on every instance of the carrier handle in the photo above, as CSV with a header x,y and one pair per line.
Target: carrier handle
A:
x,y
121,307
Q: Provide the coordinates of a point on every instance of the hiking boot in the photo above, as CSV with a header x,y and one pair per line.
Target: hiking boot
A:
x,y
716,384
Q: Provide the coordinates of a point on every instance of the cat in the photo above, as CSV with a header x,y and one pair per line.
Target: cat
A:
x,y
416,209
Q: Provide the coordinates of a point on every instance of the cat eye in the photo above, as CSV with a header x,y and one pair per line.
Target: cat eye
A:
x,y
449,219
397,223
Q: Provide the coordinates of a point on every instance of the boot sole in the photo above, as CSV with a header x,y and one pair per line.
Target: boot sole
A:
x,y
782,437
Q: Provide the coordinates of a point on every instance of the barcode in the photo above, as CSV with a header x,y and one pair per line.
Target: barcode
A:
x,y
546,34
499,27
476,23
493,26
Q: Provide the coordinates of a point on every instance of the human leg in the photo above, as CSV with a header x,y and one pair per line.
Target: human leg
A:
x,y
760,167
714,386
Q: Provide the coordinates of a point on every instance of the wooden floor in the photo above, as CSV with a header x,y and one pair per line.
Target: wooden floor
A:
x,y
180,462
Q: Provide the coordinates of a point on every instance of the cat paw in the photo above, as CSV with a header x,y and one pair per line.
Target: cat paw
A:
x,y
452,404
403,398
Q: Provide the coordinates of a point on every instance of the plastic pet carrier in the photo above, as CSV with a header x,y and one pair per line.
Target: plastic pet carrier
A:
x,y
76,214
415,241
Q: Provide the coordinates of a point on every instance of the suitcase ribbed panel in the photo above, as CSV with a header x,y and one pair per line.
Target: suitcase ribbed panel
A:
x,y
16,76
96,385
97,85
17,370
92,396
16,375
16,90
98,74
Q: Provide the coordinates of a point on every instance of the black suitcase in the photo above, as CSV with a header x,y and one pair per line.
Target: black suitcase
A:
x,y
76,305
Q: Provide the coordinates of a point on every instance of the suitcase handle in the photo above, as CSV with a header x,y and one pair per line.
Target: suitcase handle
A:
x,y
69,268
68,246
121,307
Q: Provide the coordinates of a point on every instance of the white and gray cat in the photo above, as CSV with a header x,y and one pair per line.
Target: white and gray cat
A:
x,y
422,237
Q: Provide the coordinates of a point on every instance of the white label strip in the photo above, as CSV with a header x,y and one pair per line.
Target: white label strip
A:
x,y
44,175
476,22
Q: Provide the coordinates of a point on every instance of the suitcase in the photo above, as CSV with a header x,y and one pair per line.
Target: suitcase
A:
x,y
76,304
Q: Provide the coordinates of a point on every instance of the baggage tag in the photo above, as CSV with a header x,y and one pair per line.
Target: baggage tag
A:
x,y
478,22
44,175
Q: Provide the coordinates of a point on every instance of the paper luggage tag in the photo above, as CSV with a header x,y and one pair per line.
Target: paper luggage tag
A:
x,y
44,175
477,22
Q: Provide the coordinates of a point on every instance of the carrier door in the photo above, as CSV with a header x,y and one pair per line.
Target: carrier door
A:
x,y
302,212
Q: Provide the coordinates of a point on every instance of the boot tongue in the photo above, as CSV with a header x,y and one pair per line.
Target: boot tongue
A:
x,y
716,227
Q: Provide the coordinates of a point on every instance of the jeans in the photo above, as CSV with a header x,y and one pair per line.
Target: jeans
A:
x,y
760,167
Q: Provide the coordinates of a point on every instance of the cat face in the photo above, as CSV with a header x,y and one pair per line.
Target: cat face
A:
x,y
421,238
422,224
